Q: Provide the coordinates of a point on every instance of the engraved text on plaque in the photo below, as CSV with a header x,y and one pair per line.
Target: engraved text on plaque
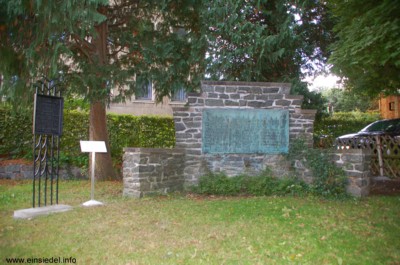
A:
x,y
245,131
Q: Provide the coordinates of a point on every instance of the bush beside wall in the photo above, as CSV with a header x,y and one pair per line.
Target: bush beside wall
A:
x,y
340,123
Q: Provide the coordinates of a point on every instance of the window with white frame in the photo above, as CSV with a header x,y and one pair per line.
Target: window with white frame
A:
x,y
179,95
144,90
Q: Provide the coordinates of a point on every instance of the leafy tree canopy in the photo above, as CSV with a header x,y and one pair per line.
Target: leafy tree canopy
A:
x,y
347,100
94,45
97,44
266,40
263,40
366,51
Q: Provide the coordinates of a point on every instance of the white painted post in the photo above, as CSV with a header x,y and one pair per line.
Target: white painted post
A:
x,y
92,175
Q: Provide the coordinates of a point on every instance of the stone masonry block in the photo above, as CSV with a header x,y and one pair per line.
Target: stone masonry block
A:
x,y
177,119
231,89
181,114
244,89
179,135
192,124
275,96
261,97
206,88
179,127
231,103
214,102
249,97
352,158
362,182
361,167
242,103
146,168
270,90
256,104
282,102
255,90
220,89
12,168
195,114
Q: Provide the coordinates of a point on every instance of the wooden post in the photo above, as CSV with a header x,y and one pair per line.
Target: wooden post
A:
x,y
379,149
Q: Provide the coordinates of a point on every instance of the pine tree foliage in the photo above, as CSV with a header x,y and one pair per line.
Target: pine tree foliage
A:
x,y
367,52
99,43
255,40
95,45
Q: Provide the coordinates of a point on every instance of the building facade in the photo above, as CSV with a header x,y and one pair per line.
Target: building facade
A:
x,y
389,106
144,103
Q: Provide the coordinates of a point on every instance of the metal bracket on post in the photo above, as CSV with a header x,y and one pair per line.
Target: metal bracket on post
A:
x,y
93,147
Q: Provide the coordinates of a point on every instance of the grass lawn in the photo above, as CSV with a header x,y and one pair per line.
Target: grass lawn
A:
x,y
189,229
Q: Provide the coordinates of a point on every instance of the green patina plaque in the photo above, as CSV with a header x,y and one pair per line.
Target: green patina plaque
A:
x,y
245,131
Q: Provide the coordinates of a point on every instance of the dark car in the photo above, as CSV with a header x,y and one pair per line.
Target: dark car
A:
x,y
389,127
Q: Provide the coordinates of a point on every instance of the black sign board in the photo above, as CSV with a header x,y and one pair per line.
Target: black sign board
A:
x,y
48,115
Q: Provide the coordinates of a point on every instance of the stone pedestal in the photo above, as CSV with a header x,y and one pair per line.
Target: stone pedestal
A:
x,y
355,162
152,171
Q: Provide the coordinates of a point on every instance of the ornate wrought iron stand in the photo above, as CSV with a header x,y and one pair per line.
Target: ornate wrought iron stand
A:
x,y
47,130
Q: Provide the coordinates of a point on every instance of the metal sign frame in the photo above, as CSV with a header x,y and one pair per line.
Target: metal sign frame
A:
x,y
47,115
47,129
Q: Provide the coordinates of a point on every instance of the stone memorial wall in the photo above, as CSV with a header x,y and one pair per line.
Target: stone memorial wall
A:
x,y
230,127
240,127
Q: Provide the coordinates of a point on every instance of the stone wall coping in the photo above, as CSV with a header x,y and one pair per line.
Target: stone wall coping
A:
x,y
242,83
153,150
352,151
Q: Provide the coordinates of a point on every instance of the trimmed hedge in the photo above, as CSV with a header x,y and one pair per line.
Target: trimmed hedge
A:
x,y
139,131
124,131
327,129
15,132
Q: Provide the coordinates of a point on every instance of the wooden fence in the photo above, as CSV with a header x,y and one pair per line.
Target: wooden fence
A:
x,y
385,149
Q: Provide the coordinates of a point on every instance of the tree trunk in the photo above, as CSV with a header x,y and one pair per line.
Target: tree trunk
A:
x,y
98,120
98,132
